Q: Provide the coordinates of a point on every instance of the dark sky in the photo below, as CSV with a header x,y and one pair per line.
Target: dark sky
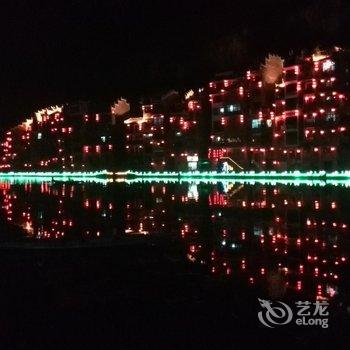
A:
x,y
60,51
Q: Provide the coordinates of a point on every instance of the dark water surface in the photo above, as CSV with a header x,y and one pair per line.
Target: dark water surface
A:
x,y
181,264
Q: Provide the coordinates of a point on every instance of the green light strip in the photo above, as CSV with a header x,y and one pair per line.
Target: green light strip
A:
x,y
263,181
55,174
294,175
40,179
104,177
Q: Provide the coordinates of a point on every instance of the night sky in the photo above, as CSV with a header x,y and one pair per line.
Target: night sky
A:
x,y
55,52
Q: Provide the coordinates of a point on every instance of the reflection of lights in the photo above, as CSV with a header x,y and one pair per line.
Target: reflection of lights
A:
x,y
193,192
191,257
136,232
331,290
311,247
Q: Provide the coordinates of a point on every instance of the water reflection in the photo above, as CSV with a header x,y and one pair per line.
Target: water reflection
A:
x,y
287,239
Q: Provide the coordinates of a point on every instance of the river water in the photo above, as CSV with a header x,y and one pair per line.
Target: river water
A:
x,y
290,240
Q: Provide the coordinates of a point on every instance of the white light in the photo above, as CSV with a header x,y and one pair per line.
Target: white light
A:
x,y
328,65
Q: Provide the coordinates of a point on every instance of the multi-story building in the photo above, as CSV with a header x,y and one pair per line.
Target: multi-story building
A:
x,y
169,135
69,137
286,115
293,116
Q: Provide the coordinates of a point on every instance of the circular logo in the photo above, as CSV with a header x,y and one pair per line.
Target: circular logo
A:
x,y
274,315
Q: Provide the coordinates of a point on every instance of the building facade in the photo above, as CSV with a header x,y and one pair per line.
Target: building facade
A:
x,y
284,117
291,114
169,134
69,138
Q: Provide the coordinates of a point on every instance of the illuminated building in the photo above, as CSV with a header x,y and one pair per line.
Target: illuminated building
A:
x,y
168,134
284,115
71,137
289,114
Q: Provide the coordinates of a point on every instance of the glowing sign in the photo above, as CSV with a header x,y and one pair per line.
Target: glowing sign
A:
x,y
192,158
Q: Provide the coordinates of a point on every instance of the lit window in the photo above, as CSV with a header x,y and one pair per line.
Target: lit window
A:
x,y
256,123
328,66
234,108
39,135
331,116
